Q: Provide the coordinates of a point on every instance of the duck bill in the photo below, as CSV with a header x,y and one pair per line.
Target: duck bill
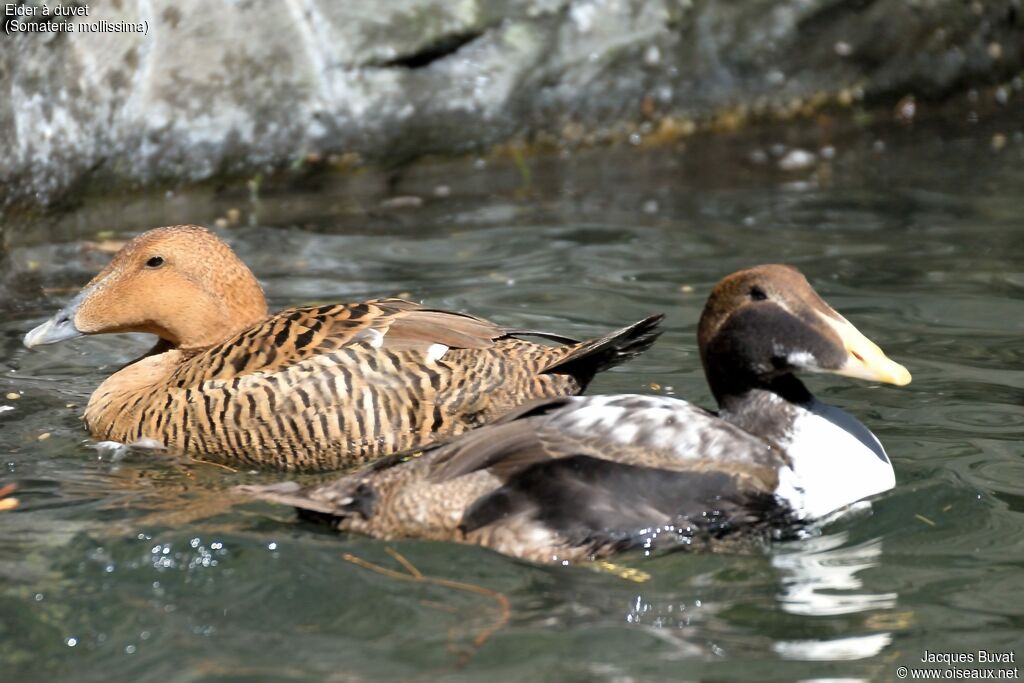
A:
x,y
864,360
60,327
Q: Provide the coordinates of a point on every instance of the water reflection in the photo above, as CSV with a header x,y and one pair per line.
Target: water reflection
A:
x,y
855,647
820,577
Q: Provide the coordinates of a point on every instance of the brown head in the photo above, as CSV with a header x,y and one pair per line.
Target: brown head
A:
x,y
181,283
767,322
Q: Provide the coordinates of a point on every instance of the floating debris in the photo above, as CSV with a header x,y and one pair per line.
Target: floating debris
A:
x,y
5,502
905,110
402,202
998,142
414,575
13,396
215,464
43,437
626,573
925,520
797,160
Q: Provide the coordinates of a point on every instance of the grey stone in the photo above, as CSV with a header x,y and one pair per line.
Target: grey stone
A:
x,y
224,88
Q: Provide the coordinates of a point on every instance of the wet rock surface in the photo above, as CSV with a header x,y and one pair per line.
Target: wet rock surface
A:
x,y
219,89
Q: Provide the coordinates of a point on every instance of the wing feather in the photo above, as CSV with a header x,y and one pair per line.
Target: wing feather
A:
x,y
648,431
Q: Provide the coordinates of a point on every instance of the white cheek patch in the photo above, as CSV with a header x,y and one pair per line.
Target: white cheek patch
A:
x,y
798,359
802,359
436,351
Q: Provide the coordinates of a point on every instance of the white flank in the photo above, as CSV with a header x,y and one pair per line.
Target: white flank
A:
x,y
836,461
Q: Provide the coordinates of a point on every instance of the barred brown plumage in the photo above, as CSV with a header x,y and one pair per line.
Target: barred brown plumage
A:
x,y
308,388
578,477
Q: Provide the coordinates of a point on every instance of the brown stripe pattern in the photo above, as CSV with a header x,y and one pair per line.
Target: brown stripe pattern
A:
x,y
562,479
325,387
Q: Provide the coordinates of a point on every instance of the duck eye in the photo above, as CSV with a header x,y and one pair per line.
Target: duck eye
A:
x,y
757,294
155,262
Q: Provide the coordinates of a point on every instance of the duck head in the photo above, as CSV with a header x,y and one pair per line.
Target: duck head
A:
x,y
762,324
181,283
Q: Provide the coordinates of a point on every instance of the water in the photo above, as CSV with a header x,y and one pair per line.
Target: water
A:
x,y
144,568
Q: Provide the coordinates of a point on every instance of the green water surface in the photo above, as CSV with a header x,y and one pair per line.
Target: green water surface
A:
x,y
143,567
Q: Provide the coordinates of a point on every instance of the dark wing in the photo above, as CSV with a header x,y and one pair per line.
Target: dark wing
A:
x,y
599,504
580,474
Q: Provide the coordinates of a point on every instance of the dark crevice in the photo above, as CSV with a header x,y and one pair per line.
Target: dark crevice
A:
x,y
439,49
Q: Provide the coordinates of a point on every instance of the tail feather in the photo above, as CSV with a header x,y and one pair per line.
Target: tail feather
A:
x,y
597,355
287,493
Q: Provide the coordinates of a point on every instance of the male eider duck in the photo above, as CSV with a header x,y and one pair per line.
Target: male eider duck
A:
x,y
308,388
581,477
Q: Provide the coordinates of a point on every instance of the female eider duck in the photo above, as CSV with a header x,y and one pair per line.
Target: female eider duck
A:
x,y
308,388
581,477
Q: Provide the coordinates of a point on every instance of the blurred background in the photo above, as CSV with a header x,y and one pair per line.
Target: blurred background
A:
x,y
161,93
